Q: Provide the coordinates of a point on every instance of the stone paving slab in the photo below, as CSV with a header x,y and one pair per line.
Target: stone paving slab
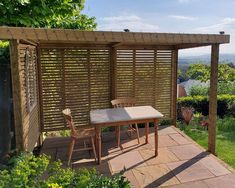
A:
x,y
194,184
180,139
154,175
127,160
226,181
164,141
190,170
184,152
164,156
180,163
133,181
167,130
214,166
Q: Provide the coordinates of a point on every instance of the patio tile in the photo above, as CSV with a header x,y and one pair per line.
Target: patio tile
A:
x,y
190,151
110,148
103,168
227,181
194,184
180,162
127,160
155,175
163,141
214,166
133,145
164,156
180,139
190,170
132,179
166,130
62,154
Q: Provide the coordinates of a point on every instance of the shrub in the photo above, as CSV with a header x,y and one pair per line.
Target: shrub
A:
x,y
162,122
199,90
26,170
227,124
226,87
4,52
201,104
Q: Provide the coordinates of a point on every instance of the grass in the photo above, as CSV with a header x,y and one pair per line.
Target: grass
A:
x,y
225,138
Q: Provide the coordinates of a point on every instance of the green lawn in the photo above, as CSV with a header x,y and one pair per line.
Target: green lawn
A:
x,y
225,142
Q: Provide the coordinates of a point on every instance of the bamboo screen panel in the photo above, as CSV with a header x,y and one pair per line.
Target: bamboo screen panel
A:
x,y
147,76
75,78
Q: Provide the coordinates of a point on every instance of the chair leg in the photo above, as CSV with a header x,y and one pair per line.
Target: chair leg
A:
x,y
137,132
93,148
118,135
130,130
70,151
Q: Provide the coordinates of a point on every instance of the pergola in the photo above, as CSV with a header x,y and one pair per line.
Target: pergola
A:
x,y
83,70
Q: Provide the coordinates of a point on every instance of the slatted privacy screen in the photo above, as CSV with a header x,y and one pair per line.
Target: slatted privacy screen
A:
x,y
147,76
29,98
75,78
80,79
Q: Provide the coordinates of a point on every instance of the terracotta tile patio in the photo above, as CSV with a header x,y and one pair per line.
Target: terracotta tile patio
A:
x,y
180,163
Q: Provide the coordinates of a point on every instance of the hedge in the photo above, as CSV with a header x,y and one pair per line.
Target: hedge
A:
x,y
200,104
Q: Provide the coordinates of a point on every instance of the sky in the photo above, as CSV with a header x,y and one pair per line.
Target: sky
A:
x,y
167,16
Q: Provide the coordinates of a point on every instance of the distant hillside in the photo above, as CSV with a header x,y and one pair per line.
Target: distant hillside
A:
x,y
187,60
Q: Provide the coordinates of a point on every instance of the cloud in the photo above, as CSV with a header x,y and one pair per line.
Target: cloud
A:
x,y
223,25
128,21
180,17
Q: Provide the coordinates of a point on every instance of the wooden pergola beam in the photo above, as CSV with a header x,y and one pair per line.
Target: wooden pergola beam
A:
x,y
213,98
42,35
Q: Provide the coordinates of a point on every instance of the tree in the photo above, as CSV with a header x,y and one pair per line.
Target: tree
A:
x,y
46,14
226,72
199,72
202,72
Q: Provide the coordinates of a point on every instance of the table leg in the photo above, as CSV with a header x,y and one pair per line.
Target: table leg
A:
x,y
156,136
147,132
118,135
98,142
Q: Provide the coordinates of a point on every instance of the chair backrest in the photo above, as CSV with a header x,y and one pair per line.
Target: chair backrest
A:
x,y
123,102
67,114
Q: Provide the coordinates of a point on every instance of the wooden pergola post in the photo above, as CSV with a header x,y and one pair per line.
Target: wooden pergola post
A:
x,y
174,86
213,98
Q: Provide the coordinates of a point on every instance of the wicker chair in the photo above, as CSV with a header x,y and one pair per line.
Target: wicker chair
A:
x,y
87,133
120,103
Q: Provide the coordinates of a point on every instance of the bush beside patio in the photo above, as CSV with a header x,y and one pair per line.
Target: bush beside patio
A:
x,y
201,104
26,170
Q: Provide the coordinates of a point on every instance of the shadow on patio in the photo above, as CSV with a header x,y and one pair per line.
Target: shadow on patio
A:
x,y
180,160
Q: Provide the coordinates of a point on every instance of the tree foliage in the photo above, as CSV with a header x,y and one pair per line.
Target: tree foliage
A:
x,y
45,13
199,72
202,72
